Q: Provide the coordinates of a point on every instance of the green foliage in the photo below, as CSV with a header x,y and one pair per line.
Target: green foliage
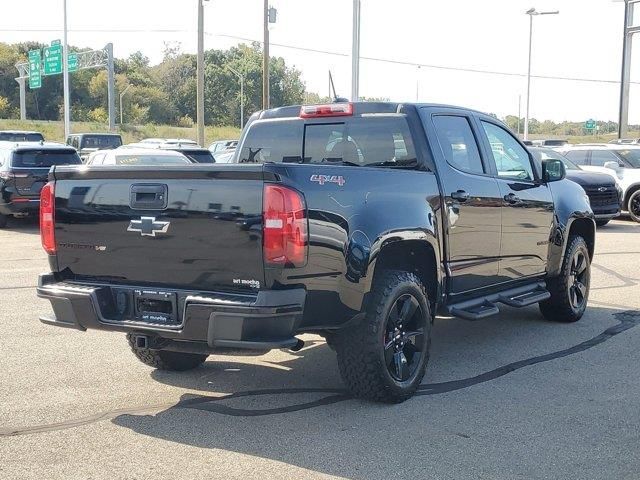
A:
x,y
161,94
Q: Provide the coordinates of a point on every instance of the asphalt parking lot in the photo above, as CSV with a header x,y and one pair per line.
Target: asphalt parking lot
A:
x,y
512,396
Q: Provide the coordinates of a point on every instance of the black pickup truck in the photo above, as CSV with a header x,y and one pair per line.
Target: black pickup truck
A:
x,y
356,221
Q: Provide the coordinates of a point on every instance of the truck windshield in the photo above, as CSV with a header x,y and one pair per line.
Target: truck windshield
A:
x,y
375,140
632,156
101,141
44,158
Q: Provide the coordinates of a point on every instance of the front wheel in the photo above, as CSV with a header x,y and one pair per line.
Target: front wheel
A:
x,y
633,206
570,289
164,359
384,356
3,220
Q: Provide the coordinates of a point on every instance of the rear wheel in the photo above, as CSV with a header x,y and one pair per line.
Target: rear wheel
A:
x,y
570,289
164,359
3,220
633,206
384,356
602,223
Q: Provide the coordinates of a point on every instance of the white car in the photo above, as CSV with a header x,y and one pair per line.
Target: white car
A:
x,y
139,156
622,162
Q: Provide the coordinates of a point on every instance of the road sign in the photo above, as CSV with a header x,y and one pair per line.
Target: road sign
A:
x,y
590,124
53,60
35,74
55,42
72,60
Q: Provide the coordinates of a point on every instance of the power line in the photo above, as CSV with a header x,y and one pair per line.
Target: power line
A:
x,y
337,54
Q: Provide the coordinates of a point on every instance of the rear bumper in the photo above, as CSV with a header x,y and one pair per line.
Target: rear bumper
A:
x,y
30,205
265,320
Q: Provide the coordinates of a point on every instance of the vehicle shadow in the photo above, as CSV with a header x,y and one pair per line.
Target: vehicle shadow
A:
x,y
28,225
292,407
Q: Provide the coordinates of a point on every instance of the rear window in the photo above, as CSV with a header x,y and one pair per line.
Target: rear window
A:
x,y
151,160
382,140
44,158
21,137
199,156
101,141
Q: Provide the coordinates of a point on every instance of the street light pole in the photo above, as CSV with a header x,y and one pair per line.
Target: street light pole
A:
x,y
200,75
355,53
241,78
121,110
265,58
629,31
531,12
65,74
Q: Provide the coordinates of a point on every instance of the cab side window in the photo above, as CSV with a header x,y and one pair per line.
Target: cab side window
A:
x,y
458,143
511,159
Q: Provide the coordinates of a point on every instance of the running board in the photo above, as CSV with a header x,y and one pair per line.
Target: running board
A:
x,y
483,307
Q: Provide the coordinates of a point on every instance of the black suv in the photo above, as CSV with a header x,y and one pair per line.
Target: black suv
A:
x,y
24,168
604,193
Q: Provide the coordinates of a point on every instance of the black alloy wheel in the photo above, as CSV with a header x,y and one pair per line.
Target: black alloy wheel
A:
x,y
578,280
404,338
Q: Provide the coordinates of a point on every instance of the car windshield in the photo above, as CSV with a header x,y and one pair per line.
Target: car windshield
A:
x,y
631,155
199,156
548,154
44,158
150,159
101,141
21,137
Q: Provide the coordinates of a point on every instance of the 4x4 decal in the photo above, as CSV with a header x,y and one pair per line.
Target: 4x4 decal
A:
x,y
322,179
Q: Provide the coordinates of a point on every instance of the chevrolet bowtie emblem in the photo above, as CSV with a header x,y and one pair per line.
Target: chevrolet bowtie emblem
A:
x,y
148,226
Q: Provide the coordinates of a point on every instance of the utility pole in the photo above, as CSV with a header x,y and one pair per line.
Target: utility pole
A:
x,y
355,52
65,74
629,30
418,84
111,87
23,94
265,58
200,75
519,112
121,109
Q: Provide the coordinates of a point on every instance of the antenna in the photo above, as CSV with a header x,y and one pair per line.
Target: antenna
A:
x,y
336,98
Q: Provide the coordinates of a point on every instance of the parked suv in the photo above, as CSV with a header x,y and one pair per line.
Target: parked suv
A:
x,y
85,143
356,221
603,191
24,168
622,162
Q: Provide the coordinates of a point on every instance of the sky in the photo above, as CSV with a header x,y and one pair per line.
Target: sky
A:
x,y
583,41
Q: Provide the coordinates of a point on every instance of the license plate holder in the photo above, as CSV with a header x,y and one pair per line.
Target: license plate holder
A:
x,y
156,306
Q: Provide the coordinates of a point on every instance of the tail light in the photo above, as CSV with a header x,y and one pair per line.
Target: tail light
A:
x,y
285,231
47,218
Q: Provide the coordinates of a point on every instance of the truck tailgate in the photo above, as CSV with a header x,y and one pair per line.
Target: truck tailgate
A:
x,y
196,227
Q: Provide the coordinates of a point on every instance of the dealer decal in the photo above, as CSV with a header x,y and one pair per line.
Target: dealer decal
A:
x,y
324,179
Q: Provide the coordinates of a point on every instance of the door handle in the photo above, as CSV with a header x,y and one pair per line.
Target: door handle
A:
x,y
460,196
511,198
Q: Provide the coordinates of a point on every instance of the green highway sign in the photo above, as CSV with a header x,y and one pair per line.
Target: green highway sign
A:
x,y
72,60
590,124
35,74
53,59
55,42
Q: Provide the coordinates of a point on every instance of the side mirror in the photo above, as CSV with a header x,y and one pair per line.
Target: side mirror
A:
x,y
553,170
612,165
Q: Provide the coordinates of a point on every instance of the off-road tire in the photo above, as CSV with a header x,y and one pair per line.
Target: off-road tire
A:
x,y
633,206
166,360
3,220
559,307
602,223
361,347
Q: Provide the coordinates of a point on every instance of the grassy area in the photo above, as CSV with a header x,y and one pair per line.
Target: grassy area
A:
x,y
54,131
574,139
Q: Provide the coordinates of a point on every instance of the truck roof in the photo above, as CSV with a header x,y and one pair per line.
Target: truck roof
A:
x,y
359,108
